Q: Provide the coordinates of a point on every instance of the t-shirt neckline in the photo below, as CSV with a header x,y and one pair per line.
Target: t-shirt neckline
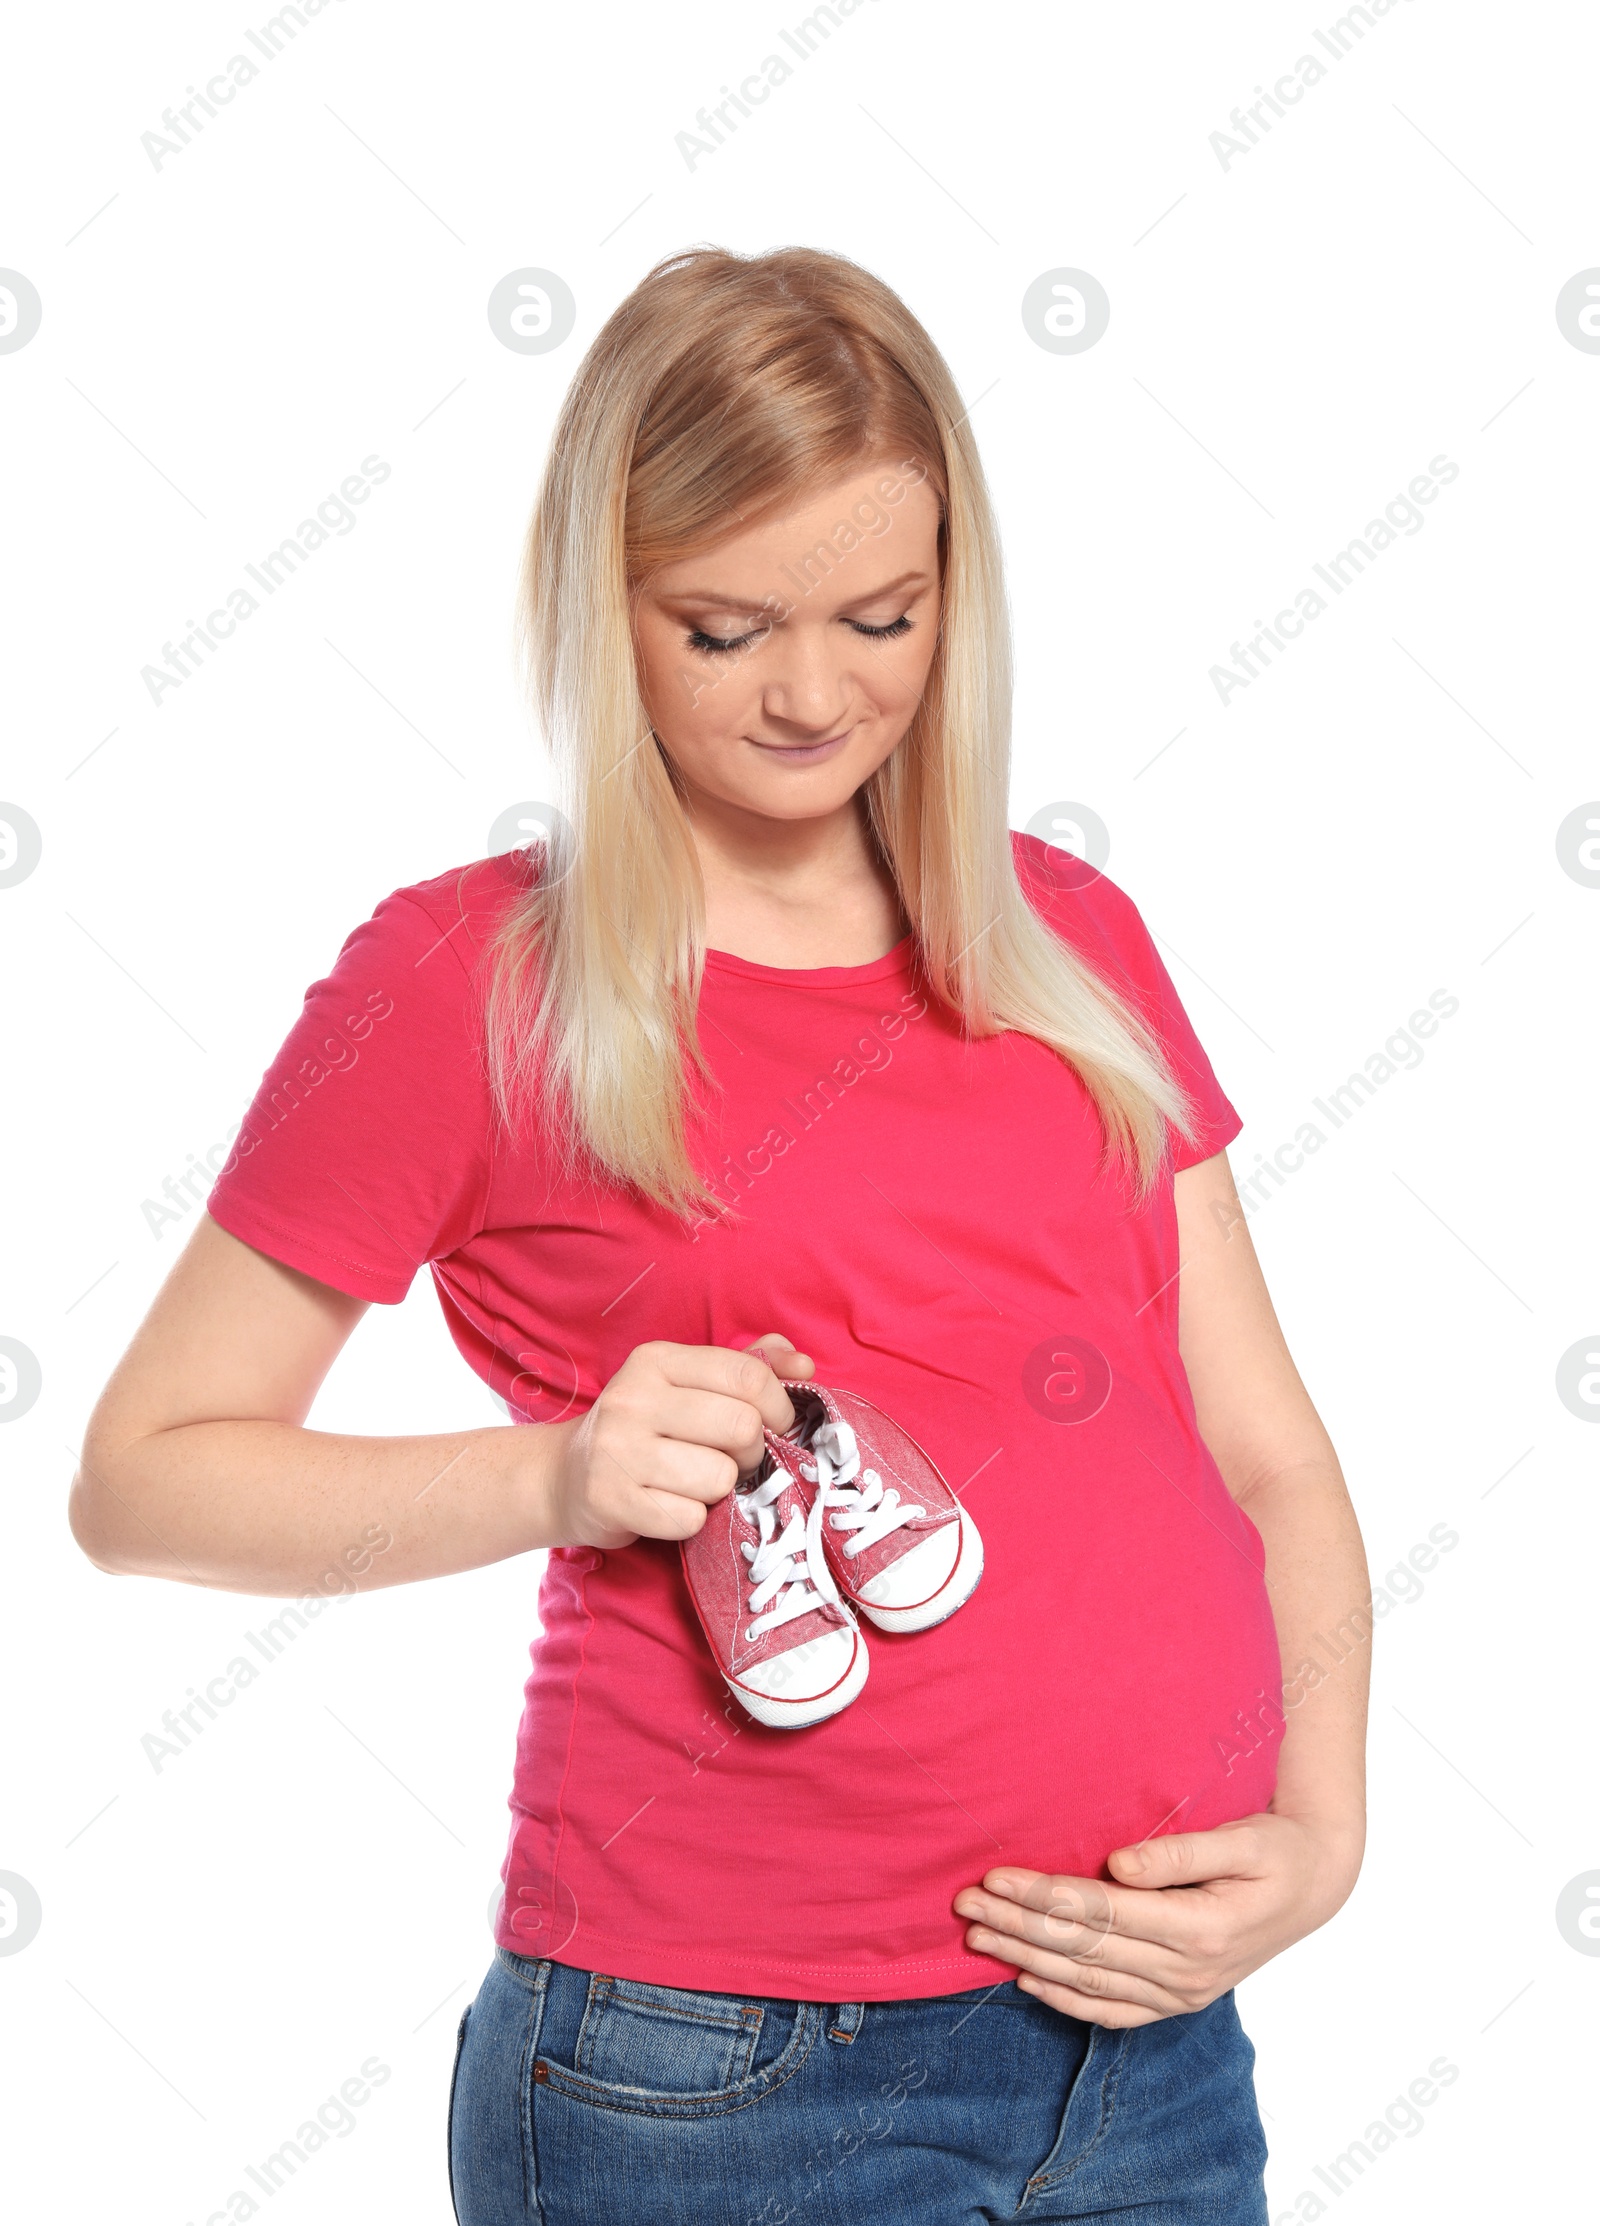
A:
x,y
894,961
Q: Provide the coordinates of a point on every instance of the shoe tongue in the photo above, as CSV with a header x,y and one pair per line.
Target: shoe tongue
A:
x,y
783,1453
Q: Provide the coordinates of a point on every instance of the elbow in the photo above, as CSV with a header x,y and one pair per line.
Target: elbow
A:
x,y
92,1514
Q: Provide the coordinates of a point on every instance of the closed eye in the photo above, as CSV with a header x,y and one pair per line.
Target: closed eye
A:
x,y
717,645
722,645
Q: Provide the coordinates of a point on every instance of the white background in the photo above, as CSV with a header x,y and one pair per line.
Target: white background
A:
x,y
1292,339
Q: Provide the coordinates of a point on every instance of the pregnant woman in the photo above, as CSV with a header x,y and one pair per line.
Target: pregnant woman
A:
x,y
781,1065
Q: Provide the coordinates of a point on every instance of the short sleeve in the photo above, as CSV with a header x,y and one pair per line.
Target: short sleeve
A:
x,y
1216,1121
1104,926
365,1152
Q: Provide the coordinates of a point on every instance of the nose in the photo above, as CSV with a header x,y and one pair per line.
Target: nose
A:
x,y
804,687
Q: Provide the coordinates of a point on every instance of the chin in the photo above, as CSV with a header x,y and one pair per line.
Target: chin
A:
x,y
811,791
790,801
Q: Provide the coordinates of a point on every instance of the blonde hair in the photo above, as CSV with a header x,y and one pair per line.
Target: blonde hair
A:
x,y
721,389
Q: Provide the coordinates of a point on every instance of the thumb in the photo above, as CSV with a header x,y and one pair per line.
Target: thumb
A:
x,y
1184,1858
781,1356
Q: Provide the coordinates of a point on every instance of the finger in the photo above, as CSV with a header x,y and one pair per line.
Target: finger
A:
x,y
710,1418
666,1516
1039,1905
633,1508
743,1376
1092,1981
1042,1906
1183,1858
1099,1945
783,1358
665,1466
1115,2016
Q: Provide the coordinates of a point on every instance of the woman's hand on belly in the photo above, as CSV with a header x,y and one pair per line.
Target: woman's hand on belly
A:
x,y
670,1434
1189,1916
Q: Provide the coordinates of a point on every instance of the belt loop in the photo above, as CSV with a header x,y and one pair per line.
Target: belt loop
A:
x,y
845,2022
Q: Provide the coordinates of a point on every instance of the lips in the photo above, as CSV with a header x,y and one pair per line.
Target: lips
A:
x,y
804,753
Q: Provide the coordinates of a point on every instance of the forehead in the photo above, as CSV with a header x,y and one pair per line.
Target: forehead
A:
x,y
885,515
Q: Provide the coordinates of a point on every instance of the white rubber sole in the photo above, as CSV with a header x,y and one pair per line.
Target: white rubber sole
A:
x,y
957,1589
806,1708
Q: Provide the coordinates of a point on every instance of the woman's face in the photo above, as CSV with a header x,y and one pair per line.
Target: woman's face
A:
x,y
780,667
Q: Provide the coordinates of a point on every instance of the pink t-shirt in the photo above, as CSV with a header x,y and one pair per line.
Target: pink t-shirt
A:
x,y
926,1217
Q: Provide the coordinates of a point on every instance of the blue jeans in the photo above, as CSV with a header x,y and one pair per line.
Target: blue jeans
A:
x,y
581,2098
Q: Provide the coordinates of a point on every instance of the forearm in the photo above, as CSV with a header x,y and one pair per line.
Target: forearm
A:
x,y
1320,1591
270,1507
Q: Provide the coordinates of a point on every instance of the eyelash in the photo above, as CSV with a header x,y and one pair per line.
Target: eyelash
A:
x,y
712,646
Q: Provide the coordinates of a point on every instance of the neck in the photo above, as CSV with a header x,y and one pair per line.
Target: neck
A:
x,y
799,893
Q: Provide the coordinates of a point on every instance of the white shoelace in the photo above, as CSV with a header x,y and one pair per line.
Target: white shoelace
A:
x,y
789,1575
864,1506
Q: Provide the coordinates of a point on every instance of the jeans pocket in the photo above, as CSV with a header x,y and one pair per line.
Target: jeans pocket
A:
x,y
676,2052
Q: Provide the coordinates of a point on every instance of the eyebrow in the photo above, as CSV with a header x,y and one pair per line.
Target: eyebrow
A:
x,y
744,602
